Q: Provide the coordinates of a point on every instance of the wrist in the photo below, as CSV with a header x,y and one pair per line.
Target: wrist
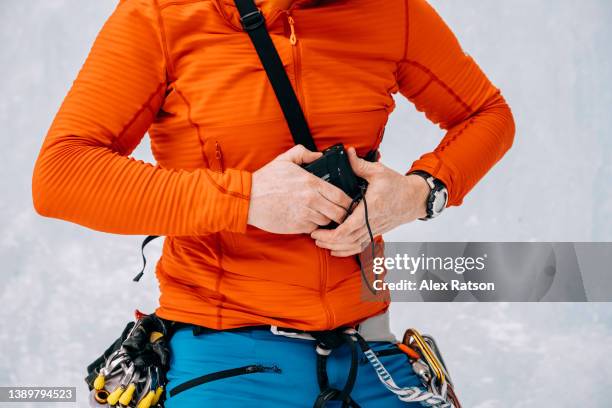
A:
x,y
418,193
253,195
437,199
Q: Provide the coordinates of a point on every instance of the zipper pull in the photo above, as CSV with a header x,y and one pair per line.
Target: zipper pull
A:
x,y
293,37
219,156
260,368
271,369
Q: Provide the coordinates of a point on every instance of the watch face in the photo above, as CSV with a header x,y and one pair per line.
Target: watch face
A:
x,y
440,201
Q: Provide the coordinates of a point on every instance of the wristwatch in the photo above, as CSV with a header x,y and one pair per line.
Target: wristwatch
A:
x,y
438,195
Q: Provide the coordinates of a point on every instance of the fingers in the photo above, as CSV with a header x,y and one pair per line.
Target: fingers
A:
x,y
350,238
298,154
317,218
334,195
348,248
309,227
344,233
357,242
362,168
330,209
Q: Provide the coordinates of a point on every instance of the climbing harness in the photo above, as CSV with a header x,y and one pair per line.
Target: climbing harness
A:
x,y
131,373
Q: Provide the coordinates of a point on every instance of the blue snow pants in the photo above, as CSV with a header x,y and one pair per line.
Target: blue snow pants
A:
x,y
257,368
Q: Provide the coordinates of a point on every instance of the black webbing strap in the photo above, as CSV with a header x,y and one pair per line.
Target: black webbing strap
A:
x,y
254,24
144,260
328,341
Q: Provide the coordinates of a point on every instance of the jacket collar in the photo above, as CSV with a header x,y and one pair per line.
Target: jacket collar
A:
x,y
227,8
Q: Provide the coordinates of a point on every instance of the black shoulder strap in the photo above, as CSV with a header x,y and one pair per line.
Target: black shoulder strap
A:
x,y
254,24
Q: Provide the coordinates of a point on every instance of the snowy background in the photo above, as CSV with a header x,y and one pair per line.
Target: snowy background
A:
x,y
59,303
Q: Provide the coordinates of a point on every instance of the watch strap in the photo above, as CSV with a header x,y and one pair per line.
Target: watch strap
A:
x,y
435,187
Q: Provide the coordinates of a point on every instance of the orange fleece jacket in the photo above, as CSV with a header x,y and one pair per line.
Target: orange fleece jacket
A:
x,y
184,71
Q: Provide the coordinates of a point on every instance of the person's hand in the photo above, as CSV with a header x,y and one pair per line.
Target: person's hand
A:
x,y
392,199
286,199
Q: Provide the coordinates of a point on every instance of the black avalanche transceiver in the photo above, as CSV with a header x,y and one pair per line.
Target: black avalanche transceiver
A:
x,y
335,168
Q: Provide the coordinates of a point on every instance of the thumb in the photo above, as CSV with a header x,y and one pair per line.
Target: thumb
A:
x,y
298,154
362,168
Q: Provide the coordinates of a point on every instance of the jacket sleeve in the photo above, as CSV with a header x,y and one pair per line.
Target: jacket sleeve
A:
x,y
83,173
445,83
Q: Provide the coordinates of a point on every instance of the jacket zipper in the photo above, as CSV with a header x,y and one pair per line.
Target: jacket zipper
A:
x,y
219,156
297,68
297,61
323,291
219,375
